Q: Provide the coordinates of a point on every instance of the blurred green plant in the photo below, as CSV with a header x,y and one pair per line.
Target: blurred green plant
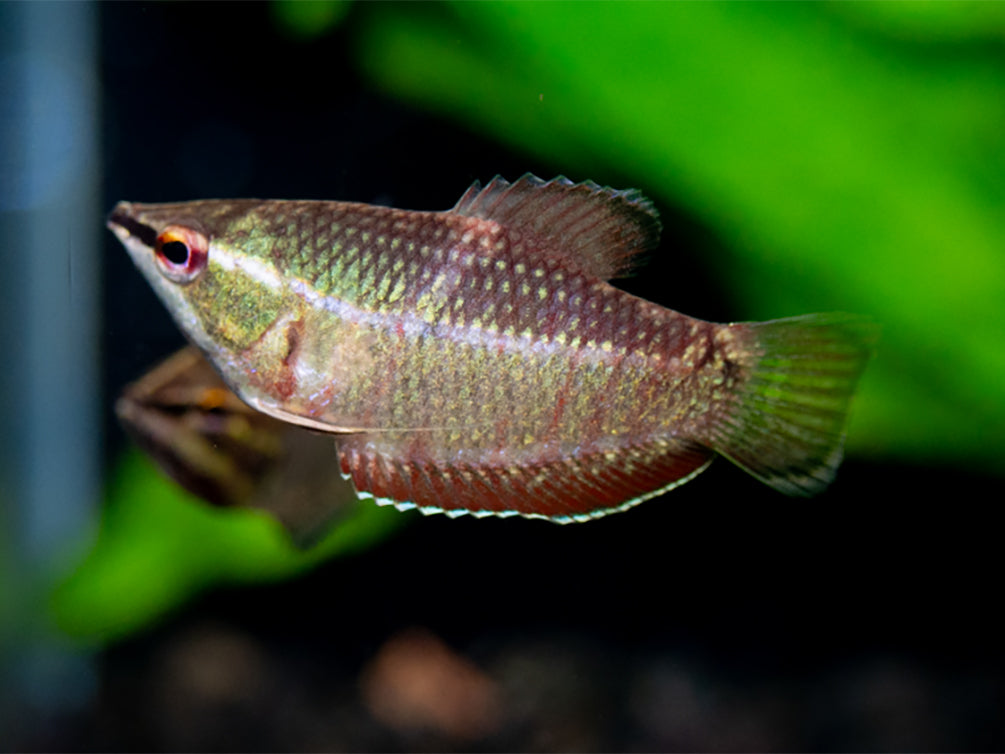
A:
x,y
158,546
844,167
309,19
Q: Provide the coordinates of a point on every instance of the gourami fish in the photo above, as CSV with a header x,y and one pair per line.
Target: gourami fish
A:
x,y
477,360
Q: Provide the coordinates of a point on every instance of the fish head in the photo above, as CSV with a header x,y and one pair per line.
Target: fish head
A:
x,y
212,273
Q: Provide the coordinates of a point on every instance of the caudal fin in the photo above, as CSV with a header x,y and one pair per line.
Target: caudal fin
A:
x,y
787,424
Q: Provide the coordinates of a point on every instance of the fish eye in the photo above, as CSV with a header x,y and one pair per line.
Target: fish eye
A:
x,y
181,253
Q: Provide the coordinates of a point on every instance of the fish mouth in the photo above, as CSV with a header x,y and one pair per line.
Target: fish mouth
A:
x,y
122,221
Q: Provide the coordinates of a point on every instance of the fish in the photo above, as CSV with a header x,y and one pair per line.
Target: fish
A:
x,y
479,361
223,452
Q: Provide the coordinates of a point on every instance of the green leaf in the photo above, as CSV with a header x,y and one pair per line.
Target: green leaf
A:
x,y
158,546
309,19
844,169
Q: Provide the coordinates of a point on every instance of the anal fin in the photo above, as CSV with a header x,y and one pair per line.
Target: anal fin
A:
x,y
570,489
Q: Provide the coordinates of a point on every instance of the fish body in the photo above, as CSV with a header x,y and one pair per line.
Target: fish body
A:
x,y
478,360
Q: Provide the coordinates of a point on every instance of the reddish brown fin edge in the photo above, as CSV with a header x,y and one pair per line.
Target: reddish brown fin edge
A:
x,y
569,490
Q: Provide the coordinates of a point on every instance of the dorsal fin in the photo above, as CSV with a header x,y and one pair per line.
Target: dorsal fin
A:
x,y
598,229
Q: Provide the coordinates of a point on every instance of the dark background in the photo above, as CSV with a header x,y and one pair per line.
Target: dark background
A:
x,y
721,617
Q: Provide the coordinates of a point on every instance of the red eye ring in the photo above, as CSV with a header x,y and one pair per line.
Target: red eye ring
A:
x,y
181,253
